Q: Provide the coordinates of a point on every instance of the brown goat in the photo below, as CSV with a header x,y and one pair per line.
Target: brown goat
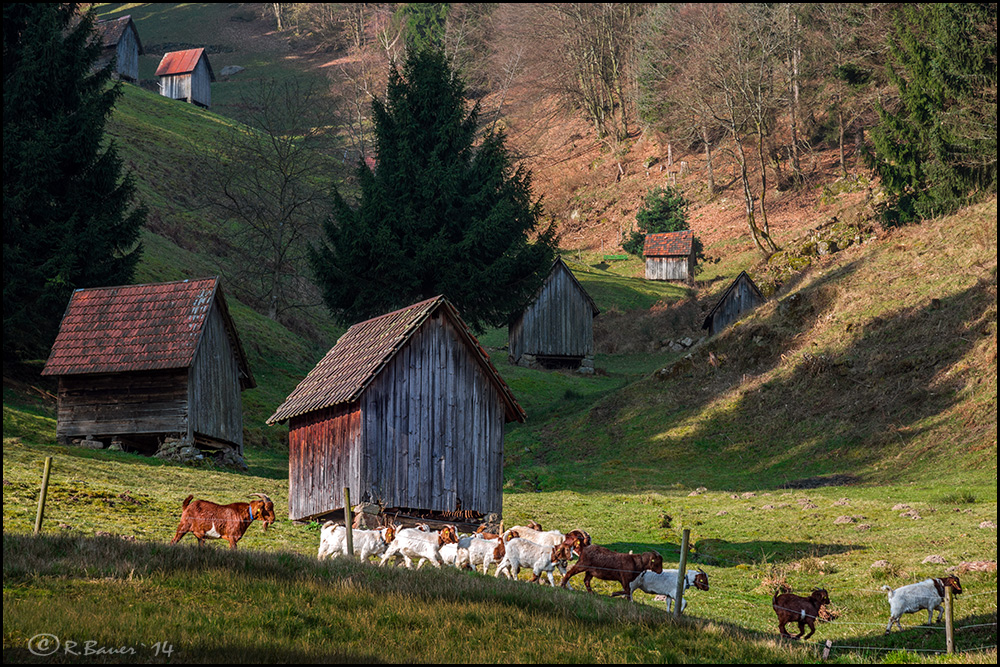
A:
x,y
792,608
603,563
204,519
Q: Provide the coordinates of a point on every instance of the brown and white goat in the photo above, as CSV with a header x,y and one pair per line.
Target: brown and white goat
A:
x,y
792,608
203,518
603,563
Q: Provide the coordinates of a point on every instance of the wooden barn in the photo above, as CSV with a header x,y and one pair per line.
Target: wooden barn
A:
x,y
187,75
121,42
740,297
406,411
557,328
138,364
670,256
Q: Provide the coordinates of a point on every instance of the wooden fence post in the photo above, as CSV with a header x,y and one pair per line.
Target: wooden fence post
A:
x,y
949,629
347,521
681,567
42,494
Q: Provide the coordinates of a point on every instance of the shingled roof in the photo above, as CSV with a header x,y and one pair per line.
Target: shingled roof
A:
x,y
367,347
183,62
139,328
668,244
111,31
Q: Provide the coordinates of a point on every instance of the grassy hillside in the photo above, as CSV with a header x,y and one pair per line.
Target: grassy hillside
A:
x,y
842,436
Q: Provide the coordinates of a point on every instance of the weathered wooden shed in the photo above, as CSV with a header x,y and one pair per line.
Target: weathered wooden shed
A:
x,y
141,363
406,411
556,329
741,296
121,42
187,75
670,256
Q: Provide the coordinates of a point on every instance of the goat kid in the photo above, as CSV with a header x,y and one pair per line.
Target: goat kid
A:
x,y
519,552
367,543
413,543
205,519
792,608
665,583
927,594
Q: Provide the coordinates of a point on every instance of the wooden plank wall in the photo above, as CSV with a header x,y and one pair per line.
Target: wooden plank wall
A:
x,y
668,268
740,299
128,57
324,456
560,322
433,427
216,407
201,84
176,87
123,403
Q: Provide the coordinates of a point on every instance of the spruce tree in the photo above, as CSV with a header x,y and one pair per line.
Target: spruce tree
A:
x,y
440,213
69,219
937,145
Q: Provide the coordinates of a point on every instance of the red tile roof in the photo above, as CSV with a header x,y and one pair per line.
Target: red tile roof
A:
x,y
668,244
367,347
182,62
136,328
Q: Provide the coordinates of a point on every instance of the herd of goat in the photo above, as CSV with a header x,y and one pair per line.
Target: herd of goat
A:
x,y
538,550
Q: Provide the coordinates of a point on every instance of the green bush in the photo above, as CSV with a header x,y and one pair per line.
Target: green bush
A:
x,y
664,210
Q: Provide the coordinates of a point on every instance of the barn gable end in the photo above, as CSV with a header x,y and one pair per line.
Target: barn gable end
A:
x,y
121,41
187,75
557,327
141,363
740,297
405,411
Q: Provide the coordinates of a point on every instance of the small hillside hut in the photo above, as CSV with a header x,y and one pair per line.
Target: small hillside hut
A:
x,y
187,75
121,42
670,256
557,328
140,364
740,297
407,412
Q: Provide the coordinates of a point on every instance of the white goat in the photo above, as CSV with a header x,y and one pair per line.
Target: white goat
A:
x,y
367,543
475,552
927,594
413,543
519,552
665,583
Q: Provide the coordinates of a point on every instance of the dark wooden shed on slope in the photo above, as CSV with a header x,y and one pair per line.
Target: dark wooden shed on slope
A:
x,y
406,411
670,256
141,363
121,41
187,75
740,297
557,328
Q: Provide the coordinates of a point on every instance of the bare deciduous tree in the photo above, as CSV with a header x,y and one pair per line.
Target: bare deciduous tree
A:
x,y
267,192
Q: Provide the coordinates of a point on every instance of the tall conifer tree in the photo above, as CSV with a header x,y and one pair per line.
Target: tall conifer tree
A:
x,y
69,217
438,214
938,144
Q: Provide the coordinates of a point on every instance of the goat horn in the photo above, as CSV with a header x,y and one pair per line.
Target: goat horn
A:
x,y
261,496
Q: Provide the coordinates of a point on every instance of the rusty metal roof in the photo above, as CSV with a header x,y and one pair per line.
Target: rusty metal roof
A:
x,y
668,244
366,348
138,328
183,62
111,31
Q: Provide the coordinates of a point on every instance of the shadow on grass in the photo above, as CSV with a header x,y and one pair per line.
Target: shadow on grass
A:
x,y
721,553
972,633
28,558
827,413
